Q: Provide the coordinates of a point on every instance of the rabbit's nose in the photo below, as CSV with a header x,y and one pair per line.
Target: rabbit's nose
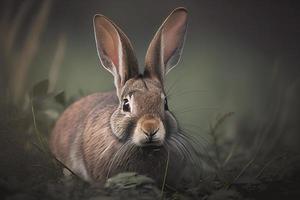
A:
x,y
150,127
150,134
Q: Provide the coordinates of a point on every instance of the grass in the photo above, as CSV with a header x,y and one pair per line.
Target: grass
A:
x,y
232,171
41,138
225,178
165,175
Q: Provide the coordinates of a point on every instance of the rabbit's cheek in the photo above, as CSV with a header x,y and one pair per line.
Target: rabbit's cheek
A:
x,y
121,125
170,124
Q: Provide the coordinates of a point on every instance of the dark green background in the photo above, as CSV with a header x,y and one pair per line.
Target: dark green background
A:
x,y
239,56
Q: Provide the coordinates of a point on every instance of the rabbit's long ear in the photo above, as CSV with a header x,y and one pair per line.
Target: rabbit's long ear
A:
x,y
166,47
115,51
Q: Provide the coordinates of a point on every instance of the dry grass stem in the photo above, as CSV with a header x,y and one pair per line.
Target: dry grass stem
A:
x,y
57,61
28,52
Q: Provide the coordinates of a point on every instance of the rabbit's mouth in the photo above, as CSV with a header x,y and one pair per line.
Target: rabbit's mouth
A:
x,y
148,143
151,143
151,148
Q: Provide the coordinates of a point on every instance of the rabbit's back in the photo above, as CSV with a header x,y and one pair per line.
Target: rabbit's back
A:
x,y
71,125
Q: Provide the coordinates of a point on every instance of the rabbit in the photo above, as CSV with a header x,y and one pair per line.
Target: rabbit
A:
x,y
131,128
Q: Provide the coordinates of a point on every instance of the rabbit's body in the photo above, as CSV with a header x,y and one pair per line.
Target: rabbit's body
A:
x,y
87,145
132,128
67,137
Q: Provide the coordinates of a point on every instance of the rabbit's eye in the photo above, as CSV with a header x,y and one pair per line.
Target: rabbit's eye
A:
x,y
166,104
126,106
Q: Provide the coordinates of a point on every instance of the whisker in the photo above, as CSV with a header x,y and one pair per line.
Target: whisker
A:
x,y
203,154
124,155
193,110
172,145
128,154
199,141
185,93
114,158
183,148
193,126
192,144
171,87
189,148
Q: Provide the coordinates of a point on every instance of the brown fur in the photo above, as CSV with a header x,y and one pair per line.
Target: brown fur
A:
x,y
72,122
97,138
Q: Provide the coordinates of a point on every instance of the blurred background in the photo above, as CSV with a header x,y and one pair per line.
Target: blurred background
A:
x,y
239,56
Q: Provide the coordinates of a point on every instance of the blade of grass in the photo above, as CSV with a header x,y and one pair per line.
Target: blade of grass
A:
x,y
57,61
44,149
243,170
28,52
16,24
213,132
48,153
165,175
268,164
229,156
38,134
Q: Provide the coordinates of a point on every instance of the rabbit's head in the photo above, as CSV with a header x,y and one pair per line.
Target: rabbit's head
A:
x,y
143,116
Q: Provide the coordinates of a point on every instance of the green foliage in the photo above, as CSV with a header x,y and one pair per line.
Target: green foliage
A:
x,y
132,186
